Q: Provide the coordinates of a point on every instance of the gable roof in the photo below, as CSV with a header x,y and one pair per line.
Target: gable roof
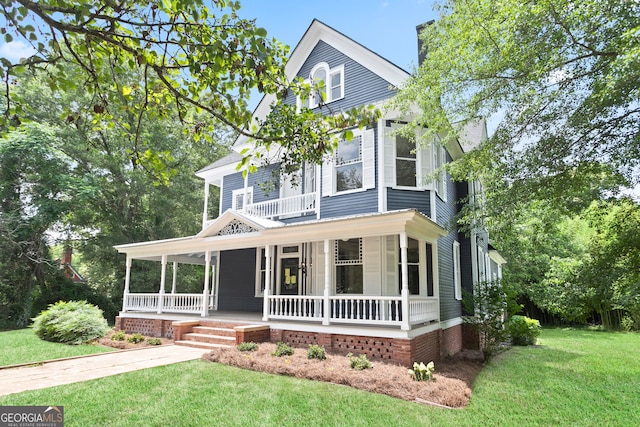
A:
x,y
316,32
232,218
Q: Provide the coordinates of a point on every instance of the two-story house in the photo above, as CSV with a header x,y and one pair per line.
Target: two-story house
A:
x,y
362,255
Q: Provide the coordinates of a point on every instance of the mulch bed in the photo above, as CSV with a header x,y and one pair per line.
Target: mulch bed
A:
x,y
125,345
451,387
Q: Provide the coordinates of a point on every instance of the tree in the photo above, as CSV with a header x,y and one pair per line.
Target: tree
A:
x,y
613,269
560,77
124,201
187,54
36,190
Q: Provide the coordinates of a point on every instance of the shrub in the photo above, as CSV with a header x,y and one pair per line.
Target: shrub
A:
x,y
72,322
523,330
422,372
154,341
282,349
316,352
247,346
118,336
135,338
359,363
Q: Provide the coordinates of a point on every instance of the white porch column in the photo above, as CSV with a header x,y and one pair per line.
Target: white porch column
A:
x,y
267,283
404,293
205,212
163,278
327,283
175,277
205,292
127,279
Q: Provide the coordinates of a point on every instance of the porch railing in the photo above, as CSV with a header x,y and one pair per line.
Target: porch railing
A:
x,y
348,309
370,310
295,205
171,303
423,310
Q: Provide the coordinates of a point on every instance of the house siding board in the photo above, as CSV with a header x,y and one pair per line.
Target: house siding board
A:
x,y
236,286
235,181
409,199
446,212
361,85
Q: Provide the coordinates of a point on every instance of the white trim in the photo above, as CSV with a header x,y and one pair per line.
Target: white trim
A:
x,y
241,192
457,272
329,72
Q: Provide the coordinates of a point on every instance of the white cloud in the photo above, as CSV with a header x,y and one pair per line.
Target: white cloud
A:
x,y
14,51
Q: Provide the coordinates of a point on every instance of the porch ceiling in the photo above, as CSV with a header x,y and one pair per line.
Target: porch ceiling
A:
x,y
191,249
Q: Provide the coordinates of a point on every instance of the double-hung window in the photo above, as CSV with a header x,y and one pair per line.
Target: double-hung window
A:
x,y
413,266
348,262
238,198
348,165
406,162
328,85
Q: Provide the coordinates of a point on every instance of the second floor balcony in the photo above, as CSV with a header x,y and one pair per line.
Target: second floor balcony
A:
x,y
285,207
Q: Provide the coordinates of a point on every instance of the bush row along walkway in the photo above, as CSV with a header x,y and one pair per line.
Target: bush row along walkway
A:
x,y
89,367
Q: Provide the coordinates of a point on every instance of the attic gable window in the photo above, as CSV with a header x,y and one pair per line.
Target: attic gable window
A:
x,y
332,85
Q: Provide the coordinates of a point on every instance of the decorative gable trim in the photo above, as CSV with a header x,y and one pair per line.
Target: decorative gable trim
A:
x,y
235,227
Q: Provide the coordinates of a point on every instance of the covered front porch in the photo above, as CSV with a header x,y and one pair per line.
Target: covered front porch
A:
x,y
298,273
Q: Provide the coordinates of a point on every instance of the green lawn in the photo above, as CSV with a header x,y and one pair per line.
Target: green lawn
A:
x,y
24,346
575,377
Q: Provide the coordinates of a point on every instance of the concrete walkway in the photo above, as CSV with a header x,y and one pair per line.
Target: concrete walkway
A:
x,y
16,380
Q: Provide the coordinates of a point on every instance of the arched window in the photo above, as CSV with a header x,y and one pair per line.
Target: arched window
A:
x,y
330,82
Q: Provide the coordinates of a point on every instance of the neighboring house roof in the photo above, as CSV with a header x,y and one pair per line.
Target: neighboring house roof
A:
x,y
73,274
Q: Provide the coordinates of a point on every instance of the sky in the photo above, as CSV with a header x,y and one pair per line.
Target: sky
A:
x,y
387,27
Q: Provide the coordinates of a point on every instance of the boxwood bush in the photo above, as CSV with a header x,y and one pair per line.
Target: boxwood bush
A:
x,y
72,322
523,330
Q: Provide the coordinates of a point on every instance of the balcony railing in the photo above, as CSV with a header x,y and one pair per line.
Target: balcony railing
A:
x,y
286,206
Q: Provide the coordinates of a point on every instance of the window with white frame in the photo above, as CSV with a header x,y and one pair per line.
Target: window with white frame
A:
x,y
457,273
238,199
348,165
329,83
349,270
413,266
440,159
406,162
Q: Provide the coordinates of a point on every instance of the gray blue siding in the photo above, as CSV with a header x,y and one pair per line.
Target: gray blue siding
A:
x,y
236,286
409,199
446,212
361,85
235,181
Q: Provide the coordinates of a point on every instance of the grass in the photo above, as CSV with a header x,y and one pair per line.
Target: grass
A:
x,y
575,377
24,346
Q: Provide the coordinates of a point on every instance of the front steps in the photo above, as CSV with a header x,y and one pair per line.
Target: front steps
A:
x,y
211,335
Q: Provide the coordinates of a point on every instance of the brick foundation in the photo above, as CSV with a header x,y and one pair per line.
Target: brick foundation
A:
x,y
470,337
451,341
148,327
250,333
424,348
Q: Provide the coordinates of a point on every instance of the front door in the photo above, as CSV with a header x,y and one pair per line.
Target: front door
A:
x,y
289,277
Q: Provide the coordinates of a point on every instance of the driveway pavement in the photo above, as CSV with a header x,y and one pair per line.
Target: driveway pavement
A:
x,y
16,380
